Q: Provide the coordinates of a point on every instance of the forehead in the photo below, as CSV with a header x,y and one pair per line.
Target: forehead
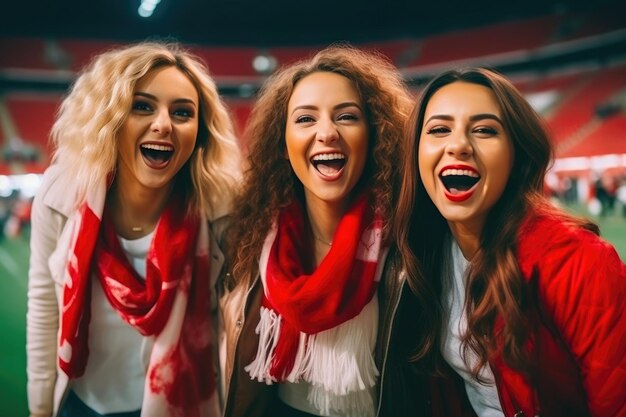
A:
x,y
320,88
169,79
463,98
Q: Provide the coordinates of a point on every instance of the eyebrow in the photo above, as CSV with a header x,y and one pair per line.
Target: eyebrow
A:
x,y
337,107
473,118
153,97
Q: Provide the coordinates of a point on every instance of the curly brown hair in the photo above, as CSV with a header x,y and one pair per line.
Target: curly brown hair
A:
x,y
270,183
495,282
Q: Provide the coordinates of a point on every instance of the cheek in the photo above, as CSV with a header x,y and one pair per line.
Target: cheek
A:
x,y
503,163
189,136
126,143
295,147
428,157
500,170
294,153
291,154
425,161
291,141
126,135
503,175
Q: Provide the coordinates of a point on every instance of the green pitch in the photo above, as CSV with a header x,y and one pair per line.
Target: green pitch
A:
x,y
13,283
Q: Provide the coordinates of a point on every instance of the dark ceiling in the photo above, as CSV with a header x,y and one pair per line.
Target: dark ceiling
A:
x,y
264,23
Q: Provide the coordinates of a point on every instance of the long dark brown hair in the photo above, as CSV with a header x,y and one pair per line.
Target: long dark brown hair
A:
x,y
270,183
494,281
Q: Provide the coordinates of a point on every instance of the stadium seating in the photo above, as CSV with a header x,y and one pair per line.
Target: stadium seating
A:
x,y
33,115
489,40
571,115
580,99
609,137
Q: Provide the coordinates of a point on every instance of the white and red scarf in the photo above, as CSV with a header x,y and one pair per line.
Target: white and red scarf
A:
x,y
172,304
320,327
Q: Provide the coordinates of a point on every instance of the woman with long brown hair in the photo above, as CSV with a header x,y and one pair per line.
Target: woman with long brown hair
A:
x,y
311,238
521,303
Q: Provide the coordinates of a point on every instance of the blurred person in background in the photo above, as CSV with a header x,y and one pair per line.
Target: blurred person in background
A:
x,y
124,247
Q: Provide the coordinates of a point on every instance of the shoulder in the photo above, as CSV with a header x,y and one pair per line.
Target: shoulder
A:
x,y
57,191
565,256
554,235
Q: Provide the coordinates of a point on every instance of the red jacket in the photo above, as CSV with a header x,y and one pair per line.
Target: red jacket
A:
x,y
577,286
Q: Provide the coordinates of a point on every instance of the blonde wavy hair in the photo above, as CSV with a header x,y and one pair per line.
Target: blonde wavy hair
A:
x,y
271,184
85,133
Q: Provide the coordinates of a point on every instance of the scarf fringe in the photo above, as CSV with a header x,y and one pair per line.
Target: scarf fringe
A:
x,y
338,363
268,330
357,404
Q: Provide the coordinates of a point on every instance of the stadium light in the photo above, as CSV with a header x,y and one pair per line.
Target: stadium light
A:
x,y
146,8
264,63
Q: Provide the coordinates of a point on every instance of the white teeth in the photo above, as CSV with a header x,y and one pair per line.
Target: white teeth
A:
x,y
465,172
328,156
155,147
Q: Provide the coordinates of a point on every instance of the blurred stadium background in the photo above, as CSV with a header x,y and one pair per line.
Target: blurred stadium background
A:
x,y
567,57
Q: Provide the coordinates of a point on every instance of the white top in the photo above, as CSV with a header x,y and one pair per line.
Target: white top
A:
x,y
295,395
483,397
298,395
118,354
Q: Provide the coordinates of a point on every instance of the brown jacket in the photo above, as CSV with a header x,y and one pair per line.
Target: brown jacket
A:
x,y
245,397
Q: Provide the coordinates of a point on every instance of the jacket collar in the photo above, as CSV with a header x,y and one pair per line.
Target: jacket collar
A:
x,y
61,194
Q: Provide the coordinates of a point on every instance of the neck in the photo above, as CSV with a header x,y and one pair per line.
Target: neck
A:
x,y
467,236
323,219
135,212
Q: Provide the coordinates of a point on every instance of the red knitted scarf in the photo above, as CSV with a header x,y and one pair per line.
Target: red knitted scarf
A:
x,y
172,304
303,306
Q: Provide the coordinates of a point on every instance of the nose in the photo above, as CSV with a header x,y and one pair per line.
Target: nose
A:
x,y
460,146
326,132
162,123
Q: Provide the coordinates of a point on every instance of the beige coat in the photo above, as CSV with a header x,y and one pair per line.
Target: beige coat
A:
x,y
49,247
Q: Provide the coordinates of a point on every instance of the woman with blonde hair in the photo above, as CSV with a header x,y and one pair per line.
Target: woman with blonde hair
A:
x,y
311,239
124,246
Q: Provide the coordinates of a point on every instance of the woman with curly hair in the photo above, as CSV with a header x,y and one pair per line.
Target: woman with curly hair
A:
x,y
522,304
124,247
311,238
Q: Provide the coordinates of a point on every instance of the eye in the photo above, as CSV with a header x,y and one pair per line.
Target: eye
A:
x,y
348,116
183,113
141,106
485,131
438,130
304,119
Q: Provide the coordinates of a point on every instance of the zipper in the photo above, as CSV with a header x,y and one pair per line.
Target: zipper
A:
x,y
401,281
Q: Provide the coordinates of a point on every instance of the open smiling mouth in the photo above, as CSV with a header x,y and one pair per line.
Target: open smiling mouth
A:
x,y
459,181
156,156
329,164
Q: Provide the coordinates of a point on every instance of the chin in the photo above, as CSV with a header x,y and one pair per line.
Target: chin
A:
x,y
455,216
